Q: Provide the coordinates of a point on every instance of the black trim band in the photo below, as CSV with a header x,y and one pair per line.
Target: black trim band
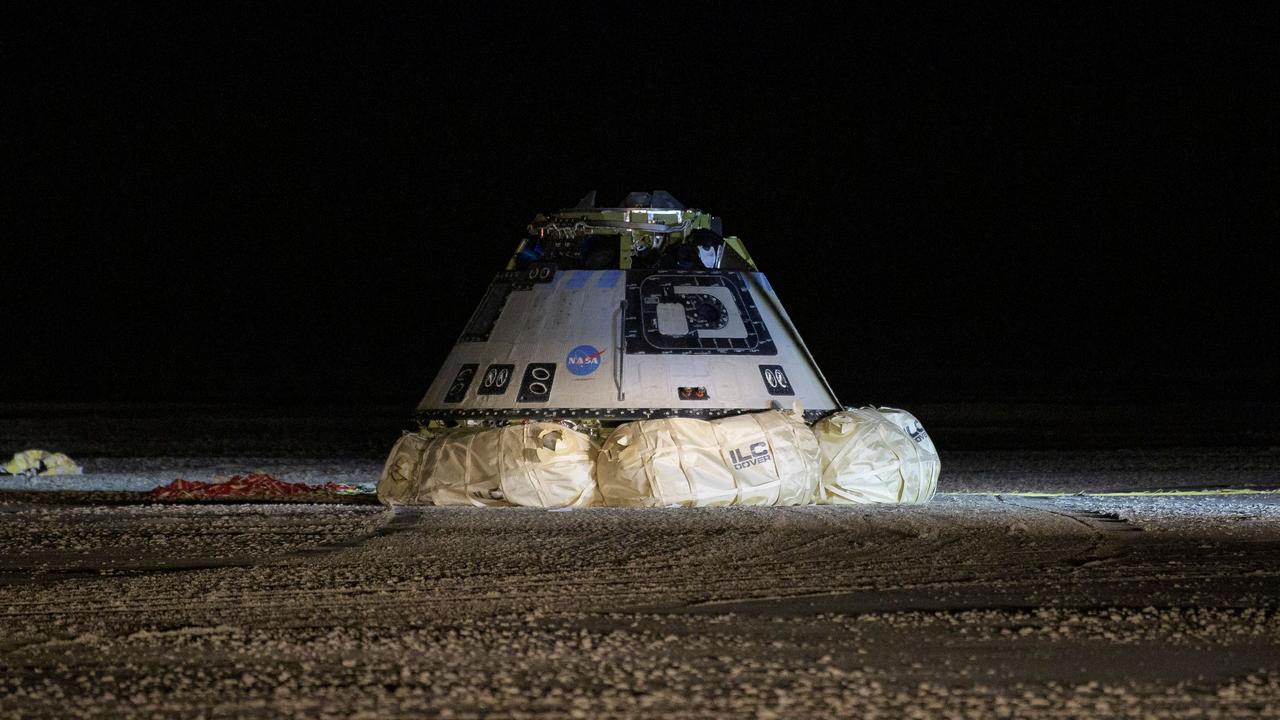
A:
x,y
608,414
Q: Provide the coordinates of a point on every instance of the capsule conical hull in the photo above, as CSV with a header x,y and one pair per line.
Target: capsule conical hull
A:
x,y
624,345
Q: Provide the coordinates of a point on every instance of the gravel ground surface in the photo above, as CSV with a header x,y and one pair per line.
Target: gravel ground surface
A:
x,y
972,606
984,603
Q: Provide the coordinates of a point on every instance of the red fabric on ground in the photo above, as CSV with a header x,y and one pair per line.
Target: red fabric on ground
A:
x,y
250,485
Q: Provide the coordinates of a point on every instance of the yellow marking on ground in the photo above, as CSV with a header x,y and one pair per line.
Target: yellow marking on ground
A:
x,y
1130,493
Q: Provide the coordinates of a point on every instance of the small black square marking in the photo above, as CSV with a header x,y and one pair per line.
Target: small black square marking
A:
x,y
536,384
496,379
776,380
461,382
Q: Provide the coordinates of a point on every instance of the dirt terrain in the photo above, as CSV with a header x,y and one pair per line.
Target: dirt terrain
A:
x,y
973,606
987,602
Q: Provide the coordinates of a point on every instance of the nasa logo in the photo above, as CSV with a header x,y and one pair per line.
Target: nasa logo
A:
x,y
583,360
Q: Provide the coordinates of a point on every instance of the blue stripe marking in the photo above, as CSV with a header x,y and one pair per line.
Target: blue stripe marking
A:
x,y
578,280
609,279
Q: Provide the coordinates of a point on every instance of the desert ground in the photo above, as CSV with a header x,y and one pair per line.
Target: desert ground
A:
x,y
1034,585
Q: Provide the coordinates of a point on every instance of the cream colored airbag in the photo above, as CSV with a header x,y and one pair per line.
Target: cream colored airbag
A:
x,y
874,455
535,464
764,458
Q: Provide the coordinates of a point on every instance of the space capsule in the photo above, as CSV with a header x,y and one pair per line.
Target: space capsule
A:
x,y
614,314
635,356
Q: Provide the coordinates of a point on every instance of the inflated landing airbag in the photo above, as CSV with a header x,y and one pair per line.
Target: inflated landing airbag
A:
x,y
866,455
536,465
874,455
764,458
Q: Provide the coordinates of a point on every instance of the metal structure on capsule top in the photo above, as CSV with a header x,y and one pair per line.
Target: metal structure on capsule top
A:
x,y
622,313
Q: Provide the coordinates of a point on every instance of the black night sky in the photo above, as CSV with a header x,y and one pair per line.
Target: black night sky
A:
x,y
258,204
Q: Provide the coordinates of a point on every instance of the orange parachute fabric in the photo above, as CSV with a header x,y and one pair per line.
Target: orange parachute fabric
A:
x,y
250,485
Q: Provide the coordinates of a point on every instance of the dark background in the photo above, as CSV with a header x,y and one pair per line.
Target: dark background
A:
x,y
271,204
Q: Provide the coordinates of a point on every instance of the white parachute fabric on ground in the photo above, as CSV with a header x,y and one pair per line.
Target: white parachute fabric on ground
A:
x,y
535,464
874,455
758,459
31,463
